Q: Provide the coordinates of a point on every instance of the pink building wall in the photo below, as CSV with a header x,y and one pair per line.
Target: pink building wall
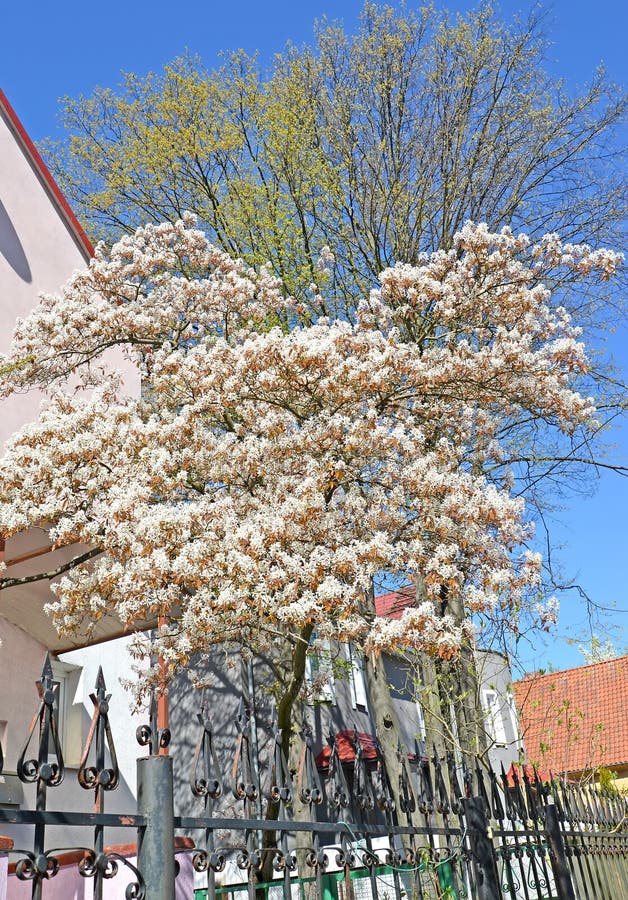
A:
x,y
41,245
5,845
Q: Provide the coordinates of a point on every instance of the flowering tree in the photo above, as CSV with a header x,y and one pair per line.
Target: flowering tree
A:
x,y
272,467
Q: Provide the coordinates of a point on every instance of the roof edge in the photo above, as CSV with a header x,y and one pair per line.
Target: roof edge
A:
x,y
536,676
606,764
50,185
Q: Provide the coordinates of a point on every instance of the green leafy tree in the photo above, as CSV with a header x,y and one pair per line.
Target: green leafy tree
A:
x,y
379,144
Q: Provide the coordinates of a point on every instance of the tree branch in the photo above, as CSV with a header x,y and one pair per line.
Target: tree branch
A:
x,y
53,573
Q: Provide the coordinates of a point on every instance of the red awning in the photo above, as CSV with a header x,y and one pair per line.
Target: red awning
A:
x,y
345,744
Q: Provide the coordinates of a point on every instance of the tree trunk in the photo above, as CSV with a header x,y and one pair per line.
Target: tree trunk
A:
x,y
450,697
385,717
289,721
387,726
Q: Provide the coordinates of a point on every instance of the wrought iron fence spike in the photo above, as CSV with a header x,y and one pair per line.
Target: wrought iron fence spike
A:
x,y
440,855
455,791
497,807
479,776
46,671
100,679
41,770
99,777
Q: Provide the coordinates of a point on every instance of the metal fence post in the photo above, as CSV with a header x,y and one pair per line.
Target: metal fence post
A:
x,y
156,838
558,855
482,849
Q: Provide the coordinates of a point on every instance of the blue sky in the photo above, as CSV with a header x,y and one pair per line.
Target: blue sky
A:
x,y
50,50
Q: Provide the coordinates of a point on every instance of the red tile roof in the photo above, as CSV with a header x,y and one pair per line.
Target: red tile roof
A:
x,y
391,605
576,720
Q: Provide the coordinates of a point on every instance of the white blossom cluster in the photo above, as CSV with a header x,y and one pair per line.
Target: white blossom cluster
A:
x,y
271,469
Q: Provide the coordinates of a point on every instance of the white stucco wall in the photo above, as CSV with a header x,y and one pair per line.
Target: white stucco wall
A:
x,y
4,862
21,659
116,662
494,675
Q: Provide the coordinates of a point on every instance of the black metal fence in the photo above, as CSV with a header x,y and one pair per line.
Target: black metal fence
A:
x,y
337,834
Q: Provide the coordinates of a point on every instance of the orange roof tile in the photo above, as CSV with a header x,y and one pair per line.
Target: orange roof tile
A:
x,y
576,720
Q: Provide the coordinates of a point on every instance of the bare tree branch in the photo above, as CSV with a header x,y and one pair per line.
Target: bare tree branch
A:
x,y
52,573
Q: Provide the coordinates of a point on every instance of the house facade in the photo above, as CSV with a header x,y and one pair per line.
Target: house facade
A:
x,y
497,726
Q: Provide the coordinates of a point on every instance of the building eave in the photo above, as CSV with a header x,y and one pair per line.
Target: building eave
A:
x,y
45,178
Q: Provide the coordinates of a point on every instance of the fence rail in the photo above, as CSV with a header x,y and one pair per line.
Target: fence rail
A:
x,y
335,835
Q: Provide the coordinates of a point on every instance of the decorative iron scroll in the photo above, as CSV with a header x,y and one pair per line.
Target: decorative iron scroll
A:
x,y
35,866
106,865
208,783
338,793
426,846
362,785
38,867
407,800
41,769
280,789
308,780
151,735
243,783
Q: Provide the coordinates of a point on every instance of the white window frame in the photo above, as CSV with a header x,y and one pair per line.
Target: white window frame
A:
x,y
514,720
493,716
69,709
359,696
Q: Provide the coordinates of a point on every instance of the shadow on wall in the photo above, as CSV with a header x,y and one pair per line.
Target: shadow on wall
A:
x,y
11,247
219,704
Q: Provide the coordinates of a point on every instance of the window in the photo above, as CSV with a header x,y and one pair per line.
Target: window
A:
x,y
69,710
319,673
421,720
493,717
358,684
514,719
